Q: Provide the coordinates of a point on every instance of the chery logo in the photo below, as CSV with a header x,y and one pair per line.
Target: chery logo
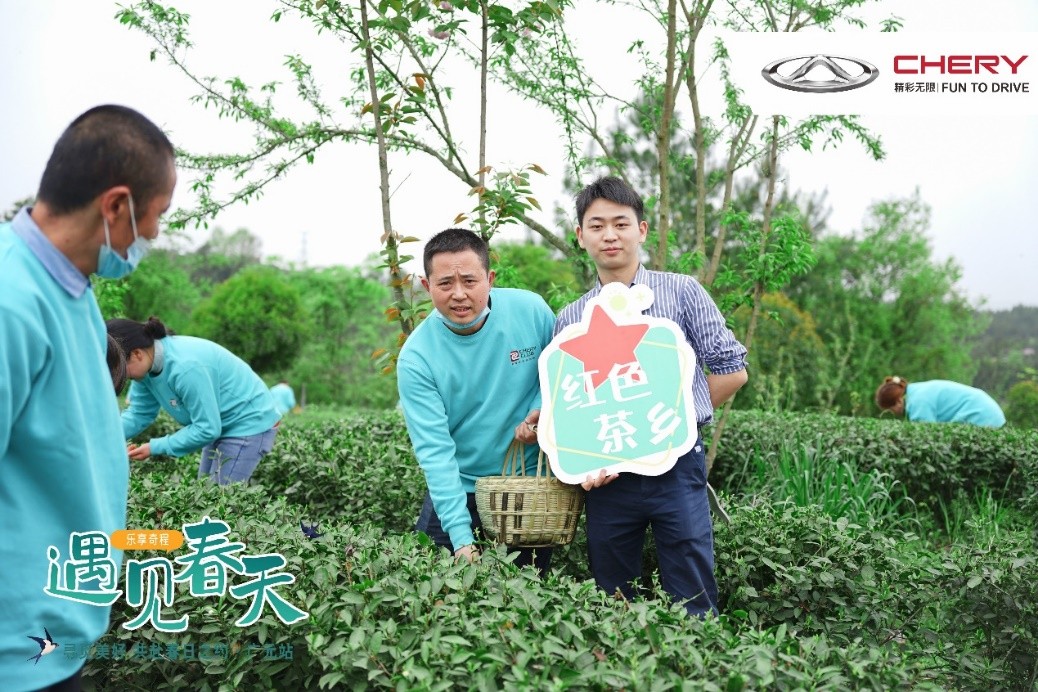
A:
x,y
835,65
956,64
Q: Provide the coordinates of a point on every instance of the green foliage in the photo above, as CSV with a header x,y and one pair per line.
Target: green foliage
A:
x,y
266,525
358,469
110,294
809,600
814,573
966,614
222,256
16,207
980,520
387,611
804,477
765,261
890,308
162,286
534,268
1022,404
344,323
256,314
932,461
784,357
1006,349
984,628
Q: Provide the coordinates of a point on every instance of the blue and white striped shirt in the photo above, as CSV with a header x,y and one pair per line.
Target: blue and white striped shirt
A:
x,y
682,300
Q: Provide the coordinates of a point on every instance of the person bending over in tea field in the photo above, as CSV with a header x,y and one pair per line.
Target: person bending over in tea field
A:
x,y
468,384
225,408
939,401
284,397
63,465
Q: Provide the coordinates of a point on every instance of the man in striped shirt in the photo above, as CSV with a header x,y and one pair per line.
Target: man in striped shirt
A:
x,y
619,507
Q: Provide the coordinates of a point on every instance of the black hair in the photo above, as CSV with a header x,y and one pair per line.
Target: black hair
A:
x,y
456,240
116,360
132,335
613,189
104,147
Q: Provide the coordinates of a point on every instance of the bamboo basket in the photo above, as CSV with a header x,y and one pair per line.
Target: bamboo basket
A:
x,y
523,511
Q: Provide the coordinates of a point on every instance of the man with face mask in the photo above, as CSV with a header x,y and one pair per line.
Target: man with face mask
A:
x,y
467,378
63,462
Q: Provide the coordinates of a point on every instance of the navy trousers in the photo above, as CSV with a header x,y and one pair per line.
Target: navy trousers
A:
x,y
429,524
676,505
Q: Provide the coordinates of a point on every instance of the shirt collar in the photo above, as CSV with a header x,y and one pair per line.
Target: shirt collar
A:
x,y
53,260
640,277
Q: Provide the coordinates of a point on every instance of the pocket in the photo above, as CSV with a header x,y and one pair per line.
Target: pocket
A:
x,y
695,462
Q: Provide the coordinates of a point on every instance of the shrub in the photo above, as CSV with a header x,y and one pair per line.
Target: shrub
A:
x,y
932,461
1022,404
389,611
359,469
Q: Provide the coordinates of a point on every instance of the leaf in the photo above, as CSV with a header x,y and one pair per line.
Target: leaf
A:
x,y
537,169
973,581
460,217
408,239
484,169
534,202
320,3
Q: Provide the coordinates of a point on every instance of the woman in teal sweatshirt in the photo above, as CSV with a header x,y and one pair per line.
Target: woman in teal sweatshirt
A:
x,y
225,408
939,401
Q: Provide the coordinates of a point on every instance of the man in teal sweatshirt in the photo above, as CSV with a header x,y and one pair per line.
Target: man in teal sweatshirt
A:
x,y
468,384
63,462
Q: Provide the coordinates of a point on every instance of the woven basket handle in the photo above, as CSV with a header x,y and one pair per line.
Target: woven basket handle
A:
x,y
542,459
515,460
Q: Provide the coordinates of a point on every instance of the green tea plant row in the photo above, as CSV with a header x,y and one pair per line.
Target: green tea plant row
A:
x,y
808,600
932,461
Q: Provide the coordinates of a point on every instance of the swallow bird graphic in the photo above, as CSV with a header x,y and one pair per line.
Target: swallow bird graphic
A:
x,y
310,531
47,645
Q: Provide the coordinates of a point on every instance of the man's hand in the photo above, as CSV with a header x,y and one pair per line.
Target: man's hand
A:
x,y
469,552
139,452
526,432
602,479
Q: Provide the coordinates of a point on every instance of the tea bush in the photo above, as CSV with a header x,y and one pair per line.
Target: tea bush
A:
x,y
809,600
357,469
388,611
931,460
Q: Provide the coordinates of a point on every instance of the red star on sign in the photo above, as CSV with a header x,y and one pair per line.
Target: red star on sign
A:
x,y
604,345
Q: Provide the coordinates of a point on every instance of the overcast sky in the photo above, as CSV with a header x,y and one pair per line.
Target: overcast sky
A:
x,y
61,57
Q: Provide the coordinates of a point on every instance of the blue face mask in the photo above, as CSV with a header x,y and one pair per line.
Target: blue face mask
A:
x,y
458,326
112,265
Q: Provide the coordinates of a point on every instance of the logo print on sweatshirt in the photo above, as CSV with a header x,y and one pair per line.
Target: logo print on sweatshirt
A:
x,y
522,355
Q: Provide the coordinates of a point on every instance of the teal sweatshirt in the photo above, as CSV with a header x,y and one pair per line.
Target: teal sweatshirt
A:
x,y
210,391
463,396
284,397
942,401
63,463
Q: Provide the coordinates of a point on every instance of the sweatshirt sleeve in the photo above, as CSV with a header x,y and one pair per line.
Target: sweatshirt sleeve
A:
x,y
545,321
196,388
141,412
427,426
21,362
